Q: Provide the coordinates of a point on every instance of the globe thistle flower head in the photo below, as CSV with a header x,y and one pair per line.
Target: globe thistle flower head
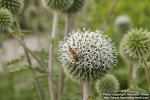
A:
x,y
76,6
108,83
134,89
5,18
135,45
57,4
89,55
14,6
123,23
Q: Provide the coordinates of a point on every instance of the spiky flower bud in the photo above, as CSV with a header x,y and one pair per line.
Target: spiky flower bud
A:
x,y
134,89
14,6
76,6
58,4
123,23
88,54
135,45
108,83
5,18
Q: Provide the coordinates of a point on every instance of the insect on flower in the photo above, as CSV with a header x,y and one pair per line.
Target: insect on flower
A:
x,y
74,53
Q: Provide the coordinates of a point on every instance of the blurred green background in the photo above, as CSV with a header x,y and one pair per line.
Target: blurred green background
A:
x,y
16,81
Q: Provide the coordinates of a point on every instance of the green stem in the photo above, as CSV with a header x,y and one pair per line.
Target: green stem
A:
x,y
147,72
62,76
21,41
109,15
40,61
50,57
133,74
36,81
69,26
61,82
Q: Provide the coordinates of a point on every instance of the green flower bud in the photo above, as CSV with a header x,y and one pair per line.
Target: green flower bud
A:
x,y
123,24
14,6
76,6
5,18
135,45
134,90
58,4
108,83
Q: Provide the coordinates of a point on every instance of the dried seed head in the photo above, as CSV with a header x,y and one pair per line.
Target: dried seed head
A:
x,y
135,45
5,18
88,54
60,5
14,6
108,83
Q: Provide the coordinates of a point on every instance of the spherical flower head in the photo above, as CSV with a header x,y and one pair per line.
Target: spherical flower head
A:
x,y
108,83
134,90
57,4
135,45
89,55
14,6
5,19
76,6
123,23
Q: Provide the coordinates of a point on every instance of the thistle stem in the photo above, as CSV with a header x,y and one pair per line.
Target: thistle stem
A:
x,y
40,61
71,22
36,81
50,59
62,76
61,82
109,15
86,91
147,72
66,25
133,74
69,26
21,41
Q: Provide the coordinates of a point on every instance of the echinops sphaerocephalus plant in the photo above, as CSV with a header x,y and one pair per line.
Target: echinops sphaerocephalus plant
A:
x,y
88,55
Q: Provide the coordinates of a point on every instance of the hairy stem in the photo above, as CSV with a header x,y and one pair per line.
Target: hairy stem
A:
x,y
61,82
69,26
40,61
132,74
147,72
21,41
62,76
86,91
71,23
50,59
36,81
